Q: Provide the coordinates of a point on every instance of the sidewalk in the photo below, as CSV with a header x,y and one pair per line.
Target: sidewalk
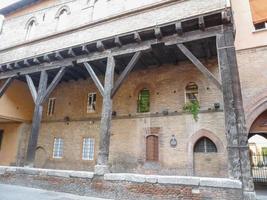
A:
x,y
13,192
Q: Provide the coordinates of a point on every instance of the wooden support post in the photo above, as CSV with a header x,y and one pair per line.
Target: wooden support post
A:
x,y
39,97
102,161
236,133
200,66
37,117
5,86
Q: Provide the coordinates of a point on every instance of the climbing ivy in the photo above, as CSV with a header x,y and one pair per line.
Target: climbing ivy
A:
x,y
193,108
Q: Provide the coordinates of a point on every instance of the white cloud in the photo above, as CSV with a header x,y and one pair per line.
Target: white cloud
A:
x,y
4,3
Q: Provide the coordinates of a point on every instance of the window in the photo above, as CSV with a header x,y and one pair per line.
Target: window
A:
x,y
51,106
191,92
62,17
58,148
31,29
205,145
143,101
1,138
259,13
152,148
91,102
88,149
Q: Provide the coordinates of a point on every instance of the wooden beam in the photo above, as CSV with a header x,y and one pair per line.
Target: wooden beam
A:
x,y
117,41
95,78
31,87
158,33
5,86
85,49
71,53
36,61
52,85
100,46
125,73
26,63
179,28
124,50
46,58
200,66
201,23
137,37
58,56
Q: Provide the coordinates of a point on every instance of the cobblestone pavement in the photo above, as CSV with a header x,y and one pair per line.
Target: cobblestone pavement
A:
x,y
13,192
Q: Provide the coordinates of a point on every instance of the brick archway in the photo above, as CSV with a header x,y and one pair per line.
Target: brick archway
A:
x,y
257,105
192,141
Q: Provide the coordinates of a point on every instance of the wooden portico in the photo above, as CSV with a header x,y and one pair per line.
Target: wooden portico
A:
x,y
193,39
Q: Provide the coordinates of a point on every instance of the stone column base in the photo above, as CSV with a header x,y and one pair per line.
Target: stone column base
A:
x,y
249,195
100,170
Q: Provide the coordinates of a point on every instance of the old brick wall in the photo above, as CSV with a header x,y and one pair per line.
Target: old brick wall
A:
x,y
253,76
129,129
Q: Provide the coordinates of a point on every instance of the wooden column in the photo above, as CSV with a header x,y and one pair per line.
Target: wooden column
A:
x,y
236,133
102,161
37,116
39,97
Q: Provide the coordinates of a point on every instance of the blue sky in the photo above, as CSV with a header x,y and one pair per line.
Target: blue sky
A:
x,y
4,3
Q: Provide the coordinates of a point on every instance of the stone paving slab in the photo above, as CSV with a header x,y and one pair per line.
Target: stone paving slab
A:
x,y
13,192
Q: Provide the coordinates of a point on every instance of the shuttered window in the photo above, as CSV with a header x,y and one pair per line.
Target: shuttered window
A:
x,y
143,101
51,106
152,148
205,145
259,13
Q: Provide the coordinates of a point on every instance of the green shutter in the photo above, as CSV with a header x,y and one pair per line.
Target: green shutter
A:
x,y
143,101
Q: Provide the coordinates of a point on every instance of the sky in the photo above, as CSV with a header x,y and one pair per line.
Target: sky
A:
x,y
4,3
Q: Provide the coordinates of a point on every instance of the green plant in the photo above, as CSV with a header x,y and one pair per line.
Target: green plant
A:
x,y
193,108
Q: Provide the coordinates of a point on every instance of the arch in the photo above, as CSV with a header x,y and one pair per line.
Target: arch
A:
x,y
61,10
192,141
31,21
202,146
257,105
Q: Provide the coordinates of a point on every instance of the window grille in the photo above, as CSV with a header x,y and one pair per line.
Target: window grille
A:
x,y
58,148
88,149
205,145
51,106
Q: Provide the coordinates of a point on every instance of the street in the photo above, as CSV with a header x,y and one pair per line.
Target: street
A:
x,y
13,192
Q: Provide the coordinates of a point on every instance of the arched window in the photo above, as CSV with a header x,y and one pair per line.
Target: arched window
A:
x,y
31,29
205,145
191,92
62,17
143,101
152,148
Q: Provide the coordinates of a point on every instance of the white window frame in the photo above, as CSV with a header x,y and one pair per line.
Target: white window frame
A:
x,y
58,148
88,149
51,106
91,103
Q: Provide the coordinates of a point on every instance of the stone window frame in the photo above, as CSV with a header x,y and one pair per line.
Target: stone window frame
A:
x,y
61,9
94,146
28,26
58,149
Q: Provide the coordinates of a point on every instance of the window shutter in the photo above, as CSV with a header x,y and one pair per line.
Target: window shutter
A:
x,y
259,11
152,150
143,101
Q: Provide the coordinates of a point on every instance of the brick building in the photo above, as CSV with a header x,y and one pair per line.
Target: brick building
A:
x,y
147,87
